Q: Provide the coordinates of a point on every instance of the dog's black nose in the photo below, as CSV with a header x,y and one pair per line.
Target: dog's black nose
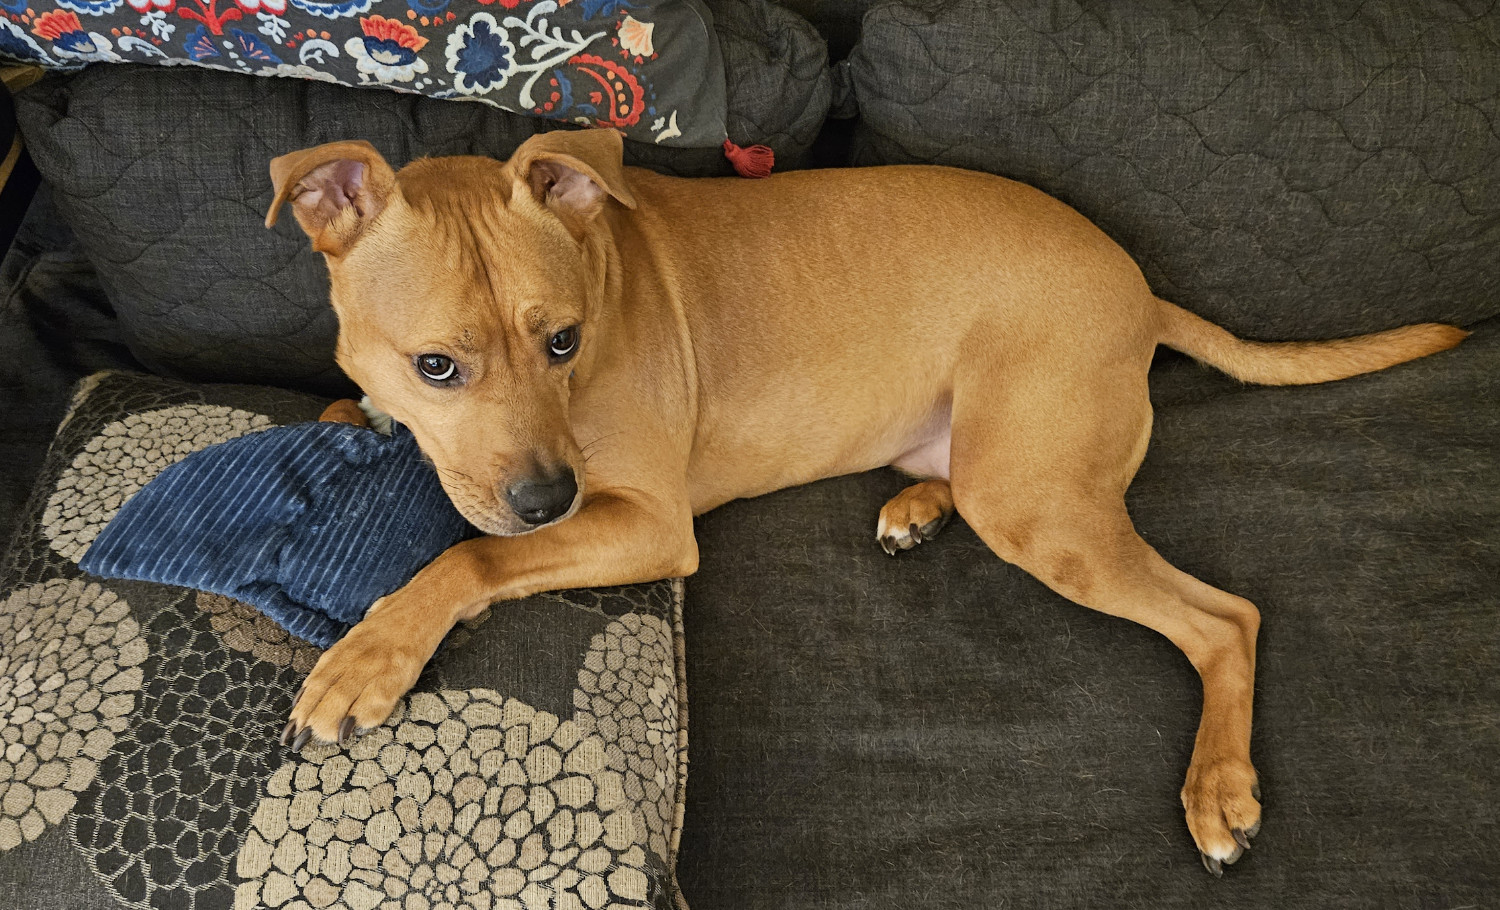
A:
x,y
538,501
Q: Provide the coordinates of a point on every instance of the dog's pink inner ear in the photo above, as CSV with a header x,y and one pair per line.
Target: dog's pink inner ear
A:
x,y
336,190
562,187
334,202
328,189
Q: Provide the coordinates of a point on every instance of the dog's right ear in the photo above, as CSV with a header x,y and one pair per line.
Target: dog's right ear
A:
x,y
336,190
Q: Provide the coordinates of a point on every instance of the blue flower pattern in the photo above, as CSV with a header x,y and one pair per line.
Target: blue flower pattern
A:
x,y
482,59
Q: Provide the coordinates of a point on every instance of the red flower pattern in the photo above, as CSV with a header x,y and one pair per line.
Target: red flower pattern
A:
x,y
53,25
615,91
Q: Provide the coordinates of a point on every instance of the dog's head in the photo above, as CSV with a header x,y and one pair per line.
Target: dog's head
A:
x,y
466,290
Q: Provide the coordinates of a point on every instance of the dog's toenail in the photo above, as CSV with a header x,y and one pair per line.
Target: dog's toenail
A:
x,y
345,730
1212,865
286,732
1255,792
1240,838
889,545
301,739
916,533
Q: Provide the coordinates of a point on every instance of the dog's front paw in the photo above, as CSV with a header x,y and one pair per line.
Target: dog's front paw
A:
x,y
355,684
345,410
1222,800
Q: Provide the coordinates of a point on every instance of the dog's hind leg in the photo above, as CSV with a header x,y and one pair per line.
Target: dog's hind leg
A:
x,y
915,514
1041,457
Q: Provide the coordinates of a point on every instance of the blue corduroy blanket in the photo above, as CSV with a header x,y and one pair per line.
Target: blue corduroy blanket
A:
x,y
311,523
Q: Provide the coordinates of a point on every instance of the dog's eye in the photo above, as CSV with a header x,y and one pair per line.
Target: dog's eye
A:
x,y
436,367
563,344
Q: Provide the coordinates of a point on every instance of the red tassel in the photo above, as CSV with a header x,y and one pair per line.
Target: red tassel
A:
x,y
753,161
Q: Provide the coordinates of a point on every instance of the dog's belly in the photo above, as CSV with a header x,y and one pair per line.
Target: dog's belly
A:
x,y
742,466
929,459
926,452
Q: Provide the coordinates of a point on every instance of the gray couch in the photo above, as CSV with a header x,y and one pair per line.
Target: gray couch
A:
x,y
938,729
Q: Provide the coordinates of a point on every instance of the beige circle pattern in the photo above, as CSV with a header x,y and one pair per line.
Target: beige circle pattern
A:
x,y
469,799
126,454
70,674
244,628
627,694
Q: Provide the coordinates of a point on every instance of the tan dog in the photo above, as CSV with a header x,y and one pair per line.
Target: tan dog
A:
x,y
591,355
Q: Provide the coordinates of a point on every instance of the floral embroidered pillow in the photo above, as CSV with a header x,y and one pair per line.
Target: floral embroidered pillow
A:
x,y
650,68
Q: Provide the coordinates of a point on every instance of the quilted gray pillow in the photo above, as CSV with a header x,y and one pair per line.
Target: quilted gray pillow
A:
x,y
161,173
1289,170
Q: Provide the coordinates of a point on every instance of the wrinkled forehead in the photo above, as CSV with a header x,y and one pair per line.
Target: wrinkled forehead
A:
x,y
449,259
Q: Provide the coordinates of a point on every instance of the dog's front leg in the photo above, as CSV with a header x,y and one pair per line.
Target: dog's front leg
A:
x,y
612,540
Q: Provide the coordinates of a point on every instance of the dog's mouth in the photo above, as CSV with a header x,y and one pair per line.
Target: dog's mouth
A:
x,y
509,503
495,517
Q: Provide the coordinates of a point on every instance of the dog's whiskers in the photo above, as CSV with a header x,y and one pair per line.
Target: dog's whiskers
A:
x,y
600,439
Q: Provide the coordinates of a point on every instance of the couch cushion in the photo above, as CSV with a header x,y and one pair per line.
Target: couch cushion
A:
x,y
836,20
1288,170
938,729
779,83
55,328
538,756
162,173
650,68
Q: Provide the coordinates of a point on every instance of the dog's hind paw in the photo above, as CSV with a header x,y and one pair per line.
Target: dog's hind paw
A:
x,y
914,515
896,540
1222,802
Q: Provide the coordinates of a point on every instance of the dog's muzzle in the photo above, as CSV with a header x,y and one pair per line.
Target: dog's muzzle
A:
x,y
538,500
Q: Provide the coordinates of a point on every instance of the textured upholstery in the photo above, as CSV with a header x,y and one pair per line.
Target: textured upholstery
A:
x,y
937,729
1289,170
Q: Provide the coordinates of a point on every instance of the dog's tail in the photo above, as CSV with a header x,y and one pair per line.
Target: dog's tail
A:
x,y
1300,362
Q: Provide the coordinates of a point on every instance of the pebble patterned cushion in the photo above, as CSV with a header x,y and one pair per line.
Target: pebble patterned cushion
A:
x,y
538,762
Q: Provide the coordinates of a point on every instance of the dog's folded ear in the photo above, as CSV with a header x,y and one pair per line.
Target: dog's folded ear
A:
x,y
336,190
572,171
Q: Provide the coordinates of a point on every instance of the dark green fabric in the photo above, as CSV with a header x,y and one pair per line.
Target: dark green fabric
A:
x,y
1286,169
938,730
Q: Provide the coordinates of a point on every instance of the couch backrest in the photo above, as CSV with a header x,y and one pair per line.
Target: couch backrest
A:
x,y
1287,169
162,174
